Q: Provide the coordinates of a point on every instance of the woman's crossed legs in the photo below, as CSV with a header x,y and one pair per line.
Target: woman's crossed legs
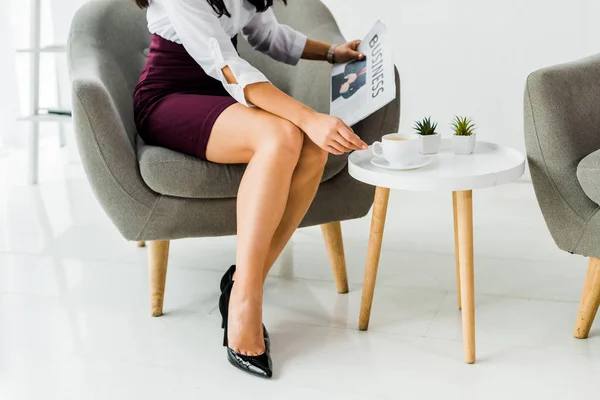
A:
x,y
284,172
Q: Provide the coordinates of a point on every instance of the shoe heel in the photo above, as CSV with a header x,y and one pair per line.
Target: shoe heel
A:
x,y
224,308
225,341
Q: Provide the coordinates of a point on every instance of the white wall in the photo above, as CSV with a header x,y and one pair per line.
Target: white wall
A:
x,y
471,57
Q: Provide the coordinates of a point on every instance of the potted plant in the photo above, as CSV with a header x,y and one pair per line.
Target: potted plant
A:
x,y
463,141
429,140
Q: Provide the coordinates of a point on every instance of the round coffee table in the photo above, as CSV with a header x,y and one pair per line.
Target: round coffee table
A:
x,y
489,165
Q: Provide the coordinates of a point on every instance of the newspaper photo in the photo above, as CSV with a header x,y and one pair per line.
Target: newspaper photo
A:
x,y
359,88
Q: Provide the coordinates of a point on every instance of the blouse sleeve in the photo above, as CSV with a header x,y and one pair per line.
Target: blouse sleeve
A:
x,y
280,42
203,37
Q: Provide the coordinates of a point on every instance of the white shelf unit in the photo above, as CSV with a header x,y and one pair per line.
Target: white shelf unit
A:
x,y
45,118
58,48
38,115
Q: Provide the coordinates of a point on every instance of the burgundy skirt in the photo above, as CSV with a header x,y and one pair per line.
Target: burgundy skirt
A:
x,y
176,103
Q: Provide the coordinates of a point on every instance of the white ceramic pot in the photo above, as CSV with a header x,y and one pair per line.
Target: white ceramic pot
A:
x,y
430,144
463,145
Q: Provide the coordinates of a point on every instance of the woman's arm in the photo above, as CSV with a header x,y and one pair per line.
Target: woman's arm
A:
x,y
317,50
285,44
329,133
268,97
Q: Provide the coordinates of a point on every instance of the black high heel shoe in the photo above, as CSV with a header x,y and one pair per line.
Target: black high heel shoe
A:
x,y
261,365
227,279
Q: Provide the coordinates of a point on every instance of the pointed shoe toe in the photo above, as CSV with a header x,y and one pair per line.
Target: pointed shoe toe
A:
x,y
260,366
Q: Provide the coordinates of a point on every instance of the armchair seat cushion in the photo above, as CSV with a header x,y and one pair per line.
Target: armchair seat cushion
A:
x,y
178,175
588,174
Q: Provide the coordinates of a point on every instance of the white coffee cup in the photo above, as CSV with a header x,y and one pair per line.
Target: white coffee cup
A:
x,y
397,148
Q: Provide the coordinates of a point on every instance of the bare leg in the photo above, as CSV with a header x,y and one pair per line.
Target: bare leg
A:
x,y
272,146
304,186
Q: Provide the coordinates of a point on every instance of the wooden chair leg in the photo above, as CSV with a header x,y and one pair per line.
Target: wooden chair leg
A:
x,y
141,244
332,233
382,196
590,300
158,257
456,250
464,212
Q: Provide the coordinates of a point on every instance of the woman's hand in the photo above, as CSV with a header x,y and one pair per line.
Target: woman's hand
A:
x,y
347,52
332,134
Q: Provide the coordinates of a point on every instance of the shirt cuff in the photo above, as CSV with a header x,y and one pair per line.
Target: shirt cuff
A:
x,y
244,73
297,49
243,79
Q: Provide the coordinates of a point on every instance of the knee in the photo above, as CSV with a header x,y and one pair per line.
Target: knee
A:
x,y
286,139
313,156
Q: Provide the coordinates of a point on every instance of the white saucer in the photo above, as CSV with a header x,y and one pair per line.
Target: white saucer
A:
x,y
419,162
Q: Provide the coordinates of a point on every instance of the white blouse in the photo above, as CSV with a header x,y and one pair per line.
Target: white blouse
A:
x,y
207,38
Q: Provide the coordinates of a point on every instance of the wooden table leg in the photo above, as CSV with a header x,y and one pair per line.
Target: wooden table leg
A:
x,y
464,213
456,250
382,196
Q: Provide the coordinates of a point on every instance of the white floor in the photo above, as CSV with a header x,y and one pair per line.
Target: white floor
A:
x,y
74,314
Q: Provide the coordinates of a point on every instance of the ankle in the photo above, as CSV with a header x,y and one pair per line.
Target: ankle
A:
x,y
248,284
243,294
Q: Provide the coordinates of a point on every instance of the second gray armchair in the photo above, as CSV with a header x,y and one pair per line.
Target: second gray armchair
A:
x,y
562,133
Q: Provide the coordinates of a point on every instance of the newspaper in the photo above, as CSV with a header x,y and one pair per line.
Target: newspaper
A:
x,y
359,88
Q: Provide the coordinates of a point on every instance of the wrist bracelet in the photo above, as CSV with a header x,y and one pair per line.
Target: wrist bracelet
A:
x,y
331,54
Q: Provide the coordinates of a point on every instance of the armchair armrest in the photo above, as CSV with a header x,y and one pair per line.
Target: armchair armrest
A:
x,y
588,174
103,70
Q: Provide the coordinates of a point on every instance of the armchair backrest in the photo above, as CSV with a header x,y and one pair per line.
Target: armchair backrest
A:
x,y
106,48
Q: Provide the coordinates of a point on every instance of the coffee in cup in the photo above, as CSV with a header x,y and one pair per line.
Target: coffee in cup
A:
x,y
397,149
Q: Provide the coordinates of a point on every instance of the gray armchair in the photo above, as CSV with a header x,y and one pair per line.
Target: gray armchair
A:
x,y
154,194
562,132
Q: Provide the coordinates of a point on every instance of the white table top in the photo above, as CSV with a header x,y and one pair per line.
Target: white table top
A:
x,y
489,165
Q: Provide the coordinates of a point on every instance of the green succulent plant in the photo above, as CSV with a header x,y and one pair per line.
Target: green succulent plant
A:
x,y
463,126
425,127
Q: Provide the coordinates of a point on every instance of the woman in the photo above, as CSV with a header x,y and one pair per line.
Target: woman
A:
x,y
197,96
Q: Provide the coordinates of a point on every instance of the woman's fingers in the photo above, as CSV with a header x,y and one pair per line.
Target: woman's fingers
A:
x,y
332,150
352,137
348,146
362,143
339,147
349,52
355,53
